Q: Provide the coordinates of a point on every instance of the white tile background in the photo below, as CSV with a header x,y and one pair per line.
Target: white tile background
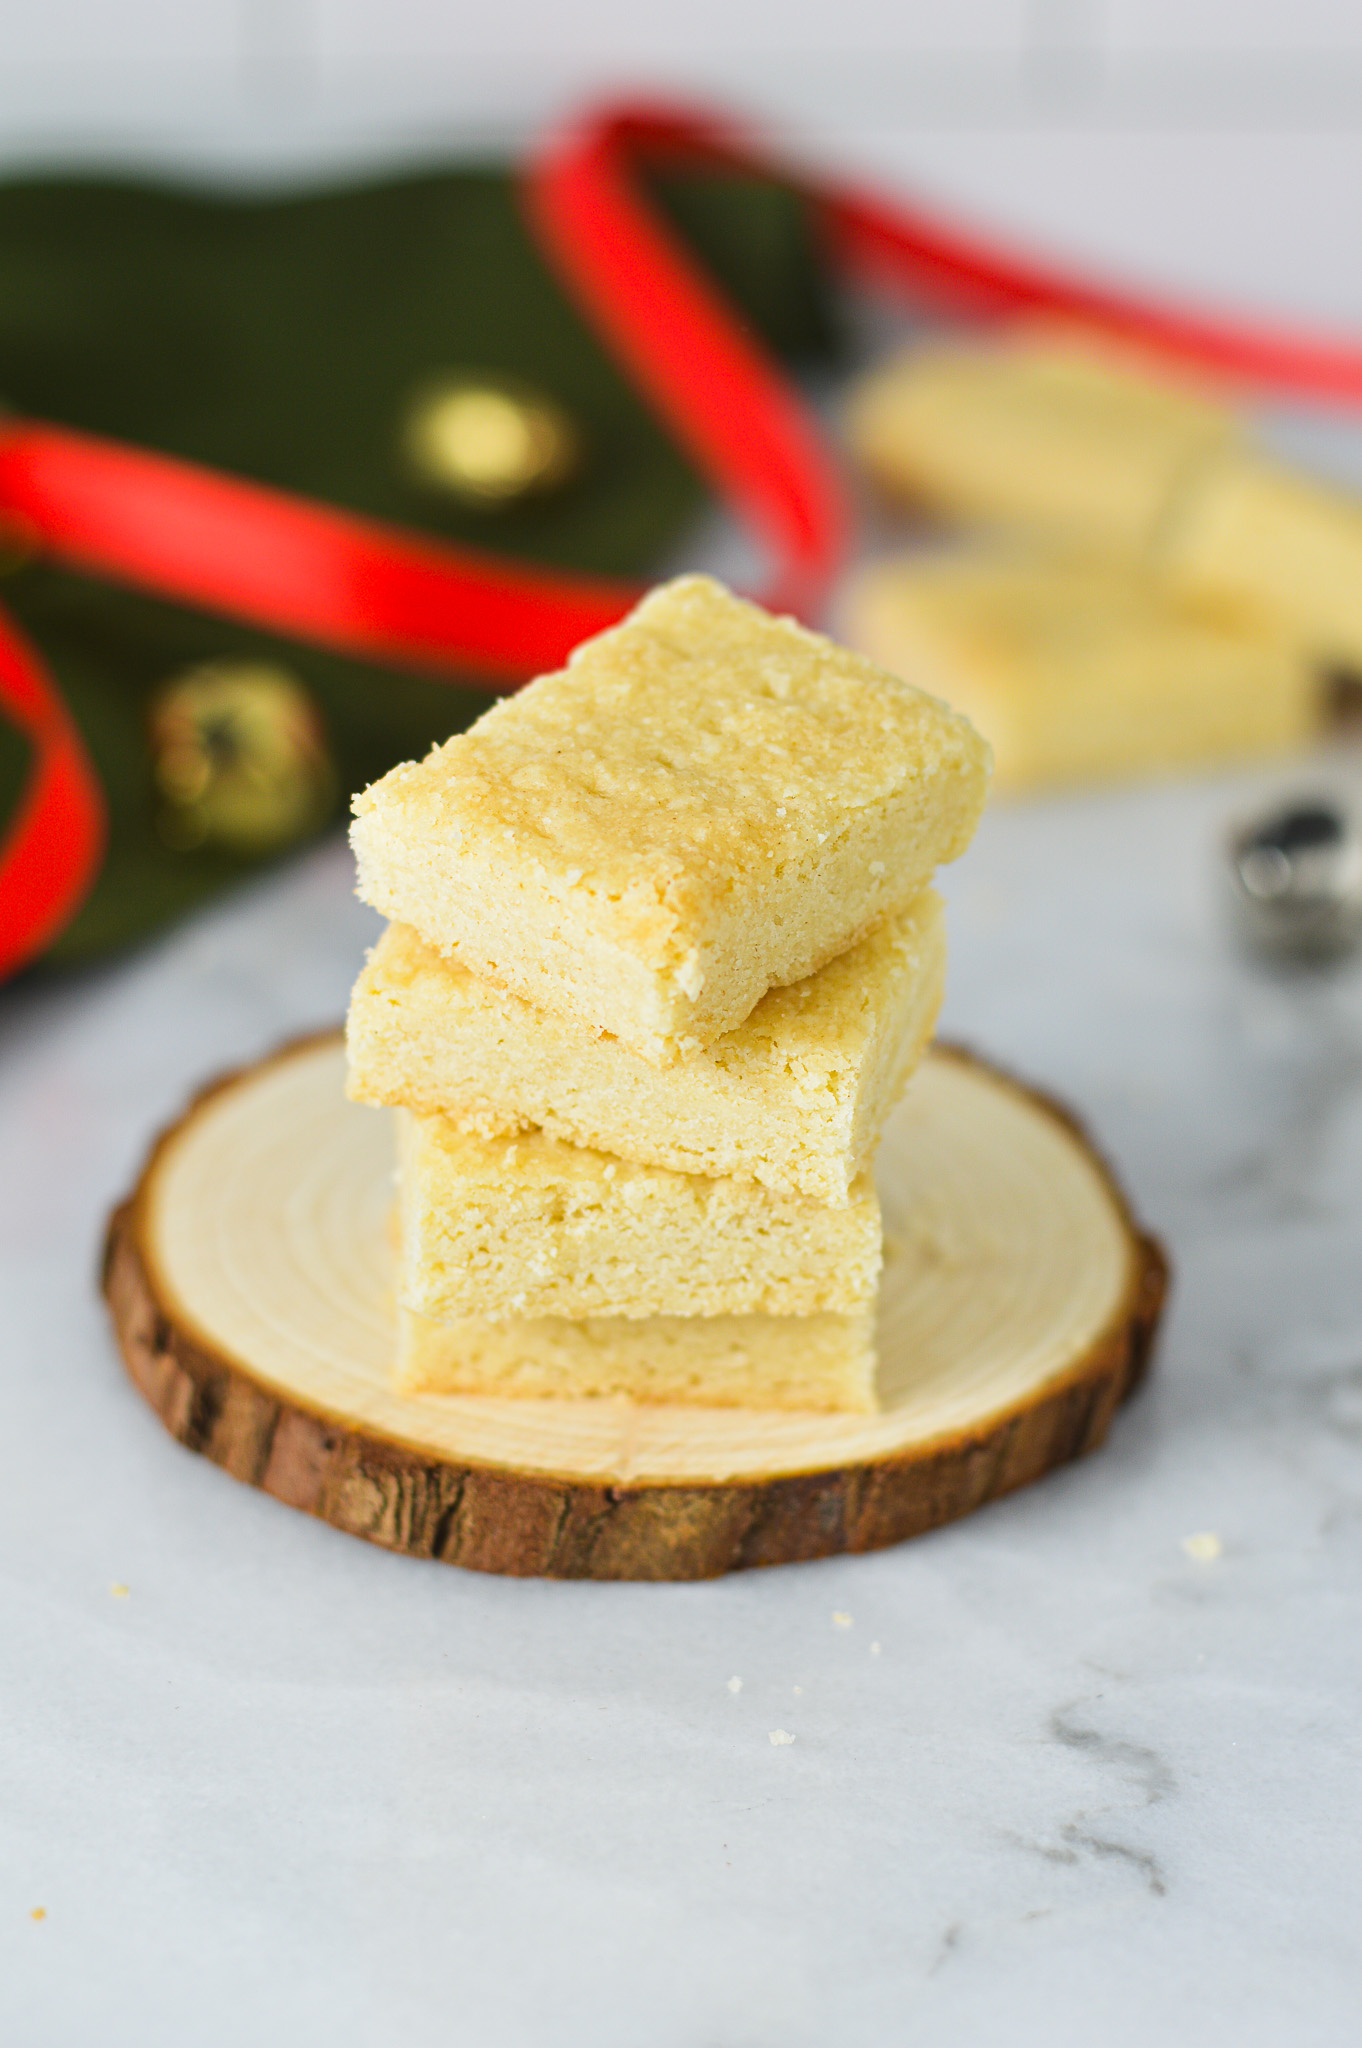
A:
x,y
1210,145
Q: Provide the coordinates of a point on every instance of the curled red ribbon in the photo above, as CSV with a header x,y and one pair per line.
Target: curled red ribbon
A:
x,y
252,553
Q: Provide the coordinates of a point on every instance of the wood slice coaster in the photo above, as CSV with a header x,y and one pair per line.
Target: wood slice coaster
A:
x,y
249,1277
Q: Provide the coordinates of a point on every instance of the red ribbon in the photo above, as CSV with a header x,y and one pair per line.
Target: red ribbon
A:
x,y
724,398
289,564
56,837
296,567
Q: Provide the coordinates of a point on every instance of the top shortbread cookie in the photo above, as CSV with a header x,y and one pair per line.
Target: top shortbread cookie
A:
x,y
707,802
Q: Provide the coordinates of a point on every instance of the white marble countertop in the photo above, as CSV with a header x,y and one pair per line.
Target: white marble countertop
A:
x,y
288,1788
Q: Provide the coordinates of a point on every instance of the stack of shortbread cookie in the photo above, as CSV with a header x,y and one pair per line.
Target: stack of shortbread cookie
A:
x,y
664,955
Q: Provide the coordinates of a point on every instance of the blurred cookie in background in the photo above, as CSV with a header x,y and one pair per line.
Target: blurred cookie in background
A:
x,y
1066,437
1080,671
1139,586
1265,536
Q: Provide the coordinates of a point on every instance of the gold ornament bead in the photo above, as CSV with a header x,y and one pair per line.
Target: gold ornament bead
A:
x,y
490,440
240,759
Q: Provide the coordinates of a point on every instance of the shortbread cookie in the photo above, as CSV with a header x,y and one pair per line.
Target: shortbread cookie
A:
x,y
819,1361
1079,672
706,803
1257,535
794,1097
534,1227
1079,439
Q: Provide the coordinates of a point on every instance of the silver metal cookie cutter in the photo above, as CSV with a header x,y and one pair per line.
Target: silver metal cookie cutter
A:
x,y
1296,878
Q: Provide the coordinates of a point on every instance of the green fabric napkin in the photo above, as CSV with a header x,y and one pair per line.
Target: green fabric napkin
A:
x,y
283,339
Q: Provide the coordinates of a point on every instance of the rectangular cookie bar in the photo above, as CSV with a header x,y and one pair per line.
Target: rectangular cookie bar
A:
x,y
794,1097
534,1227
820,1361
1083,440
1078,671
706,803
1285,546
